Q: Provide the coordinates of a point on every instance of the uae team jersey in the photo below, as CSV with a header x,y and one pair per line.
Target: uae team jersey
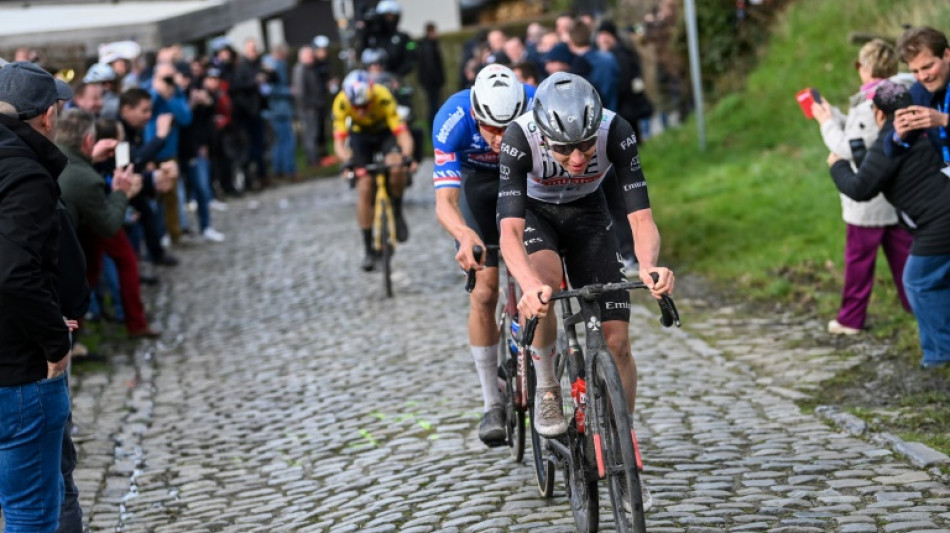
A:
x,y
527,167
457,142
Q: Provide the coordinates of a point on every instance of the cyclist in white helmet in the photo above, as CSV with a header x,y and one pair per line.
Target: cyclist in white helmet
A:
x,y
466,137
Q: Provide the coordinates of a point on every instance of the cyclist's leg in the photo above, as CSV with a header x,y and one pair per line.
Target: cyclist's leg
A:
x,y
541,243
592,257
363,147
397,182
477,204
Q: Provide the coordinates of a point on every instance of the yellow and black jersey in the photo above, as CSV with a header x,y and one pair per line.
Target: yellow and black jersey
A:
x,y
378,115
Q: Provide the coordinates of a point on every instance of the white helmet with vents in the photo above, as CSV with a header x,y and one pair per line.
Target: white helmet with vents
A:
x,y
497,96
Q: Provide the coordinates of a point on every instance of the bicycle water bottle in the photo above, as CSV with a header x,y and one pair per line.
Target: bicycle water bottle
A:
x,y
579,393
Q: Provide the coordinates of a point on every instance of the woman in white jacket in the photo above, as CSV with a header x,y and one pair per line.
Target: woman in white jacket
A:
x,y
870,224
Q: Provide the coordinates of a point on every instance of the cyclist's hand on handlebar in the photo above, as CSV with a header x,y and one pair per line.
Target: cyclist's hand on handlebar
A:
x,y
663,285
410,164
464,256
535,300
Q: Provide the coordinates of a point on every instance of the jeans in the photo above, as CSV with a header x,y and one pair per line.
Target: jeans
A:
x,y
70,518
283,155
32,421
927,282
199,181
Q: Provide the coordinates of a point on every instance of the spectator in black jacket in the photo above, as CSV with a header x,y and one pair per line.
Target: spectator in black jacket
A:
x,y
913,183
34,336
245,92
431,70
633,102
135,111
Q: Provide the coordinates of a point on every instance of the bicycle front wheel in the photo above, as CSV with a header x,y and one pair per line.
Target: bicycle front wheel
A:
x,y
386,249
619,457
508,372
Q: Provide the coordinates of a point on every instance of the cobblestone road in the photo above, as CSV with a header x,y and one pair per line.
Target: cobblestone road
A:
x,y
287,395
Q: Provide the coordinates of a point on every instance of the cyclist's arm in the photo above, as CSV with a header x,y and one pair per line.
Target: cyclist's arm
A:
x,y
340,131
514,164
399,128
622,152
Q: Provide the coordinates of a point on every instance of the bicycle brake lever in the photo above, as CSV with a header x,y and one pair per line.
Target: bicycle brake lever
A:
x,y
477,251
668,312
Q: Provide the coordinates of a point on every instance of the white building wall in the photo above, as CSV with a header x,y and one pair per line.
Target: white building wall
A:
x,y
416,13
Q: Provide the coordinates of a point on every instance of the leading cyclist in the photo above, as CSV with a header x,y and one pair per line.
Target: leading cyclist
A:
x,y
550,200
466,137
366,113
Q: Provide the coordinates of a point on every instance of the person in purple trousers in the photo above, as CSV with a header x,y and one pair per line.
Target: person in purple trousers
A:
x,y
871,224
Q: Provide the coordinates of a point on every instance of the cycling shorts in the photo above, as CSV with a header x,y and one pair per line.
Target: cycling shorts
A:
x,y
582,232
366,145
478,203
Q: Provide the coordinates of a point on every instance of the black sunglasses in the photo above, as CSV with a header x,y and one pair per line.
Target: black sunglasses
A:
x,y
568,149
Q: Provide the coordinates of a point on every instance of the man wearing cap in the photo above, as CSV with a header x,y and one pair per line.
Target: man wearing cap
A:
x,y
34,337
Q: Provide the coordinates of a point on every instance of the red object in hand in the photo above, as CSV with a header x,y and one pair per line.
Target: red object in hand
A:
x,y
806,97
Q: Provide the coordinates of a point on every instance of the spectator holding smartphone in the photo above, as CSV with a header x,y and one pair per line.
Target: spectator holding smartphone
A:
x,y
871,224
927,54
913,183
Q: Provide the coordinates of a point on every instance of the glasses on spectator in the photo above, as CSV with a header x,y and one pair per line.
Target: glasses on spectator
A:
x,y
568,149
494,130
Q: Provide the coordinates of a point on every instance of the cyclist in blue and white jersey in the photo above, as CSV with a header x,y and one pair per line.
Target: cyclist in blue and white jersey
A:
x,y
466,137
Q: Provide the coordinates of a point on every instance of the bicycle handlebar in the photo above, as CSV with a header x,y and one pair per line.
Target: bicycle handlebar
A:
x,y
477,251
372,168
668,312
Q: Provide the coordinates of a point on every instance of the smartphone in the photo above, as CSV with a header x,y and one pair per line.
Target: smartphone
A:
x,y
806,97
122,155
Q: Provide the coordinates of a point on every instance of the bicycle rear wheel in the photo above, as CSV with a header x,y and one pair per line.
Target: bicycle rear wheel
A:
x,y
386,249
620,463
543,464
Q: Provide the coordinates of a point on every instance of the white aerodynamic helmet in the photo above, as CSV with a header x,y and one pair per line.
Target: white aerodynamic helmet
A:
x,y
497,96
99,73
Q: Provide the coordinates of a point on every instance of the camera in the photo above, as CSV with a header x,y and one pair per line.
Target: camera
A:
x,y
858,150
169,80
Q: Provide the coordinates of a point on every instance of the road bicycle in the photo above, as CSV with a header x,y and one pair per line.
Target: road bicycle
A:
x,y
600,442
384,220
511,363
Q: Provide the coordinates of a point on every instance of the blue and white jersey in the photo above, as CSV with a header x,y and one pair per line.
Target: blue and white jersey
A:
x,y
457,142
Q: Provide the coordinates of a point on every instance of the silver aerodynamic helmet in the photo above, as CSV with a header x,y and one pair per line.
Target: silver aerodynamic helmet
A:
x,y
567,108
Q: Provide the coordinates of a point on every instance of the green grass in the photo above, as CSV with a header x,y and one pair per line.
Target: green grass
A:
x,y
757,213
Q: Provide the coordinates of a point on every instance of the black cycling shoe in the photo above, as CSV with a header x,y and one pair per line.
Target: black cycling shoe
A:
x,y
402,229
491,430
369,261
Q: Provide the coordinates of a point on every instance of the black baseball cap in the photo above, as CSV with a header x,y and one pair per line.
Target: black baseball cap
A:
x,y
30,89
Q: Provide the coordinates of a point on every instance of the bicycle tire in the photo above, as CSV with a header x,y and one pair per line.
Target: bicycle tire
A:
x,y
508,372
386,249
543,465
619,458
580,481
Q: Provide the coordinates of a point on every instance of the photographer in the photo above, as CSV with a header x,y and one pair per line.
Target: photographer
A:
x,y
872,224
912,182
927,54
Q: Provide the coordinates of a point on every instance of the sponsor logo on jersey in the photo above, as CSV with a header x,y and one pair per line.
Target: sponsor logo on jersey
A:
x,y
512,151
567,180
449,124
628,142
635,163
504,172
618,305
442,158
484,157
503,194
632,186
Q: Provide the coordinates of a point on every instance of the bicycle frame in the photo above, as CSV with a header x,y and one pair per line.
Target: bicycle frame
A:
x,y
383,209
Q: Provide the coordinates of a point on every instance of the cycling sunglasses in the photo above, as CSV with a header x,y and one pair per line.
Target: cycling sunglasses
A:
x,y
568,149
494,130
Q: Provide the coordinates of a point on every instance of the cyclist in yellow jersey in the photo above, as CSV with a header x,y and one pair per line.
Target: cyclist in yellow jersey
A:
x,y
365,113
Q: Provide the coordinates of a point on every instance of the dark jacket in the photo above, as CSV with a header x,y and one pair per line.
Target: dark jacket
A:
x,y
431,66
87,197
32,331
633,105
912,182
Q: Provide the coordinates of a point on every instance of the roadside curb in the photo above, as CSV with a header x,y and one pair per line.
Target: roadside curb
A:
x,y
919,454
